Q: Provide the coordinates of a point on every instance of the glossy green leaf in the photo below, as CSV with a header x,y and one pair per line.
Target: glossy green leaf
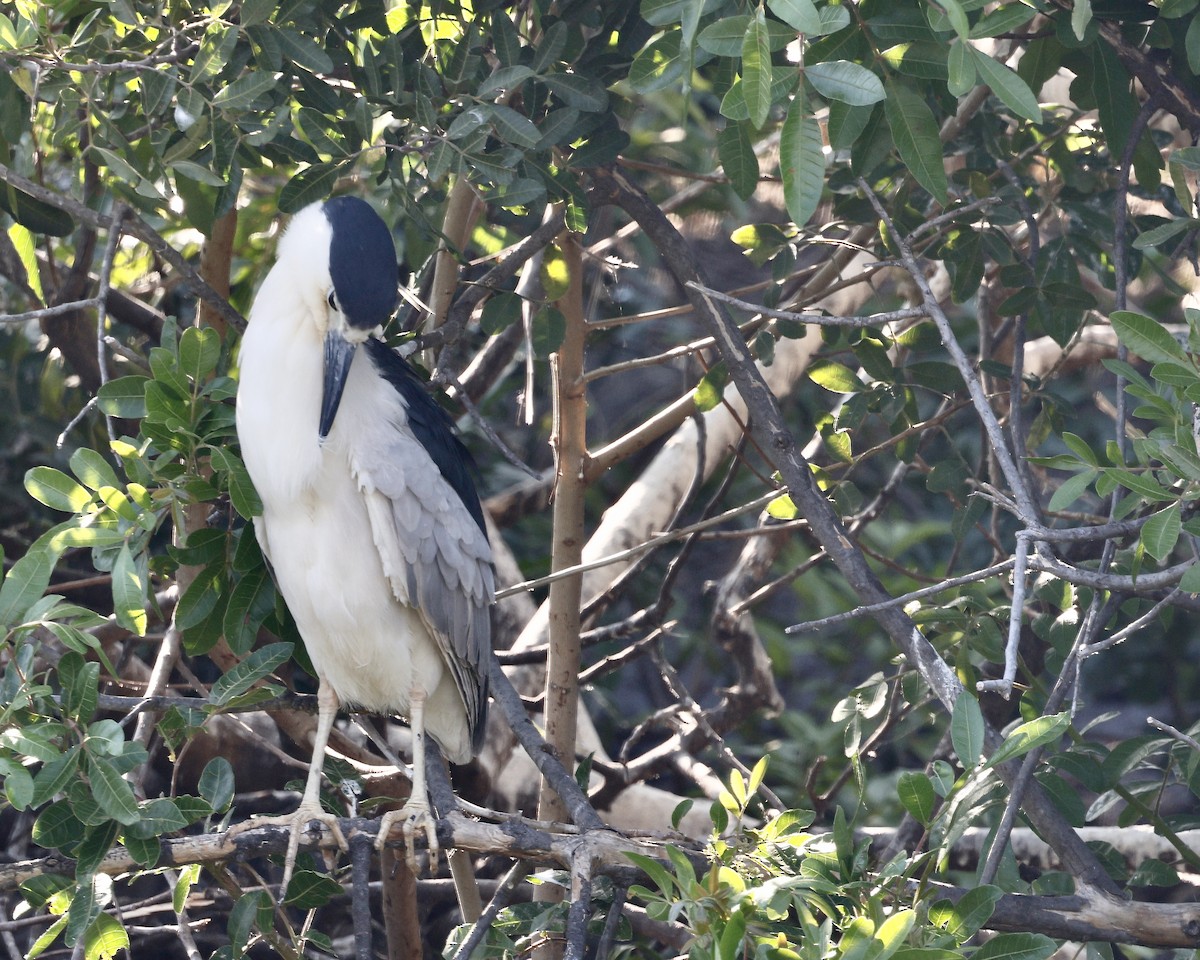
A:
x,y
1016,946
738,160
35,215
255,667
962,920
834,377
960,68
1029,736
22,240
56,490
656,67
129,587
1003,19
112,791
199,351
578,91
916,793
105,938
1081,16
315,182
966,730
915,134
800,15
27,580
245,90
756,68
801,163
1007,85
1146,338
1161,532
124,397
217,784
845,81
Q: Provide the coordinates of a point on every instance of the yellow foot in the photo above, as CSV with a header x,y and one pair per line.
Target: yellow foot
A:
x,y
298,823
415,815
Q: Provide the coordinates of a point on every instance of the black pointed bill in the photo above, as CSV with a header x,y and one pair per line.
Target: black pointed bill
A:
x,y
339,354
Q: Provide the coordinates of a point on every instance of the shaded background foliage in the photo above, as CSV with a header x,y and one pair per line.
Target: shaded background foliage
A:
x,y
1038,161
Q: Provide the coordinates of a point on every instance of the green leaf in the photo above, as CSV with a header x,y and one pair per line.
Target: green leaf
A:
x,y
956,16
27,580
124,397
92,469
845,81
1081,16
158,816
962,920
1004,19
800,15
1140,483
724,38
756,68
56,490
1146,338
1072,489
105,939
1161,532
916,793
22,242
915,134
1007,85
1029,736
1016,946
1164,232
241,678
245,90
1115,102
711,388
656,67
578,91
303,51
966,730
112,791
834,377
513,127
1190,581
892,933
309,890
960,68
738,159
35,215
504,79
801,162
783,508
313,183
188,875
217,784
199,351
129,592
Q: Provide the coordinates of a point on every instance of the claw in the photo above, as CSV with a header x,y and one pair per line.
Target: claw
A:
x,y
415,815
298,824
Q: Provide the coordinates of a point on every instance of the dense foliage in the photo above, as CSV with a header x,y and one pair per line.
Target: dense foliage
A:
x,y
873,319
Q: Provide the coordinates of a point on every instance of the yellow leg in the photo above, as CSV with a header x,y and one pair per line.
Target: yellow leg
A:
x,y
310,803
416,813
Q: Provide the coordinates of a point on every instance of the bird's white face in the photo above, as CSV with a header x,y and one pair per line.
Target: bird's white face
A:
x,y
341,256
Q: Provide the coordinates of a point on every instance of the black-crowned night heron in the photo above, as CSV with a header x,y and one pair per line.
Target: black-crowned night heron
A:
x,y
370,520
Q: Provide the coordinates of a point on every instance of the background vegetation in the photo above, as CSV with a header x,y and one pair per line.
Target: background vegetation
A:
x,y
855,341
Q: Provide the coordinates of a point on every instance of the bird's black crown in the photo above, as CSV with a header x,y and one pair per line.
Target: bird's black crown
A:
x,y
362,262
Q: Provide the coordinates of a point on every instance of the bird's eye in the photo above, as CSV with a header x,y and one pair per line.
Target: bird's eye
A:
x,y
332,300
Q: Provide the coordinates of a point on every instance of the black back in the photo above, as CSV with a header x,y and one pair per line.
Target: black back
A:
x,y
362,262
431,425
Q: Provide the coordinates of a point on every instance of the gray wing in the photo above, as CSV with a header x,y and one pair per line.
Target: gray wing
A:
x,y
436,557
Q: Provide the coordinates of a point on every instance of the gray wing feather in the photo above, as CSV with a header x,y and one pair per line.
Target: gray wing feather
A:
x,y
435,555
